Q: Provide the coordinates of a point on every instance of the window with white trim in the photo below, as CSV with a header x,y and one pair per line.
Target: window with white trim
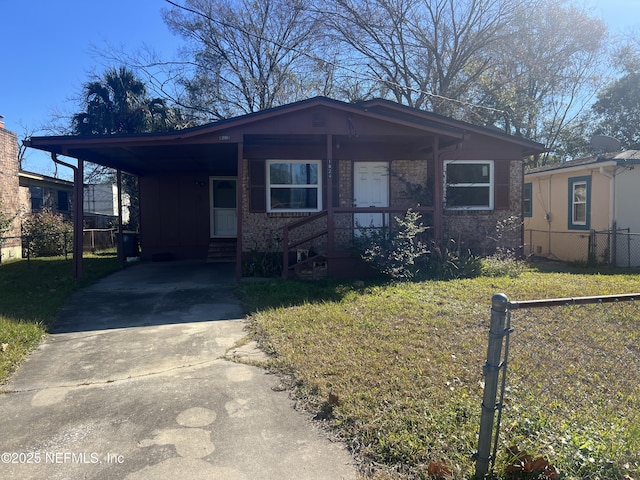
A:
x,y
294,185
468,184
579,196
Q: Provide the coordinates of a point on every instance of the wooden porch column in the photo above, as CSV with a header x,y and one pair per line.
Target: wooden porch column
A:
x,y
78,223
330,214
120,238
438,197
78,210
239,210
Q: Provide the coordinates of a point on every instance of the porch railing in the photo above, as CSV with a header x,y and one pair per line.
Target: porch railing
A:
x,y
330,232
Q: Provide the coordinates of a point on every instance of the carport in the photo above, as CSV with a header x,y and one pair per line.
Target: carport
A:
x,y
174,171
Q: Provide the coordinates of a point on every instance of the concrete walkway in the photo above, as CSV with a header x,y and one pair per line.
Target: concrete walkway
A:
x,y
132,384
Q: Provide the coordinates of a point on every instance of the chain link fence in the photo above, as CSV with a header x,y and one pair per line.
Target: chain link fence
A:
x,y
567,246
619,248
60,244
567,382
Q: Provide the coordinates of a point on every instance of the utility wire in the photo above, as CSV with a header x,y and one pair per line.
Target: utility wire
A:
x,y
333,64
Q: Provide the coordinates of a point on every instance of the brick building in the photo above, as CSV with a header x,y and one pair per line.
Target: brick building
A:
x,y
9,193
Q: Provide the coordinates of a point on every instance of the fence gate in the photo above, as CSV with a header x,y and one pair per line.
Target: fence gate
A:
x,y
570,359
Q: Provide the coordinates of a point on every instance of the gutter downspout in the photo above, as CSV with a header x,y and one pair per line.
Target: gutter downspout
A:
x,y
612,196
78,211
547,215
612,214
438,196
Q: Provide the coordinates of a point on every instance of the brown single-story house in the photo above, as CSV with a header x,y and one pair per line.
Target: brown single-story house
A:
x,y
305,176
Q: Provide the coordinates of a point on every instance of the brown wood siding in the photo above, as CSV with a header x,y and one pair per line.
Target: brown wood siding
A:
x,y
502,186
174,216
257,186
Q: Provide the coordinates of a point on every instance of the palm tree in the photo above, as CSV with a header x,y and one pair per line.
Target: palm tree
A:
x,y
118,103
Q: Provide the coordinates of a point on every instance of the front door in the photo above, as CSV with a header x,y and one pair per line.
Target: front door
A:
x,y
223,207
370,189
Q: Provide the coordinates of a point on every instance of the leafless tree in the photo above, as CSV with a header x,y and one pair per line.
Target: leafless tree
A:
x,y
247,55
423,52
550,67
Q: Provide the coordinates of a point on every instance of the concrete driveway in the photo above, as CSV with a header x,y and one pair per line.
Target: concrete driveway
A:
x,y
132,384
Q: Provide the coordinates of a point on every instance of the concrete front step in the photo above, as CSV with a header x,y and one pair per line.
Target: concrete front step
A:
x,y
222,250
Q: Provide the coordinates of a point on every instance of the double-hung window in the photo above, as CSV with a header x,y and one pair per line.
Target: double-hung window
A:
x,y
468,184
37,198
579,207
294,185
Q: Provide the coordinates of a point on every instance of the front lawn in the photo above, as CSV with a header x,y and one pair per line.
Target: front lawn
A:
x,y
31,294
396,371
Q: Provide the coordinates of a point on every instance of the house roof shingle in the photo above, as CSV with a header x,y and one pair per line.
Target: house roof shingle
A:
x,y
621,158
196,146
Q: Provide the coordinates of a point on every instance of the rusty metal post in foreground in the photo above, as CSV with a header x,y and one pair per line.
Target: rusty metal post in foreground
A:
x,y
497,332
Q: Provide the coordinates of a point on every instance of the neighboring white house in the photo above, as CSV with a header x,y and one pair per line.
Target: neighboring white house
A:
x,y
585,206
101,204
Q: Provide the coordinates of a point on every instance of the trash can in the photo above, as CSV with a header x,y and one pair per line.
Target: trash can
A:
x,y
130,244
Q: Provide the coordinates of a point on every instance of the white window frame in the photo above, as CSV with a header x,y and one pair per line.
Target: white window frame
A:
x,y
317,186
490,184
575,203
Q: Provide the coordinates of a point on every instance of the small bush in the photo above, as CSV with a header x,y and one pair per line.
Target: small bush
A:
x,y
404,254
5,222
445,262
398,252
47,234
497,266
266,257
505,261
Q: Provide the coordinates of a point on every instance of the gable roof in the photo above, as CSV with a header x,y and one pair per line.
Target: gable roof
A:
x,y
37,179
392,109
628,157
196,147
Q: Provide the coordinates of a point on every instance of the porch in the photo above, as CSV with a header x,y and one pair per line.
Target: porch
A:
x,y
326,243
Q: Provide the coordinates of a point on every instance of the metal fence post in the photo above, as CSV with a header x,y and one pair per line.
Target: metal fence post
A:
x,y
497,331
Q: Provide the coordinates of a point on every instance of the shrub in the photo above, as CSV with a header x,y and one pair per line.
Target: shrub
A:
x,y
47,234
445,262
398,252
266,257
504,261
499,266
404,254
5,222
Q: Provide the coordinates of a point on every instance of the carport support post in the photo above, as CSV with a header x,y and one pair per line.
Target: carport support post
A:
x,y
120,238
78,222
78,210
497,331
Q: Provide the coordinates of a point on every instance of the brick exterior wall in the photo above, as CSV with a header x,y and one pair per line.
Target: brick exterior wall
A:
x,y
9,193
408,187
263,231
477,230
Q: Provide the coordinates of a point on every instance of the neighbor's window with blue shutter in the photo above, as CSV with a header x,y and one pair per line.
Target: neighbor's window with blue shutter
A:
x,y
579,203
294,186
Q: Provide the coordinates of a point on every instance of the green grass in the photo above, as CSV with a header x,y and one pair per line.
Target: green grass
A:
x,y
31,296
396,370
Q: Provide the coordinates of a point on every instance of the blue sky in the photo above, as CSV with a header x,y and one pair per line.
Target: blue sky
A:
x,y
48,50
